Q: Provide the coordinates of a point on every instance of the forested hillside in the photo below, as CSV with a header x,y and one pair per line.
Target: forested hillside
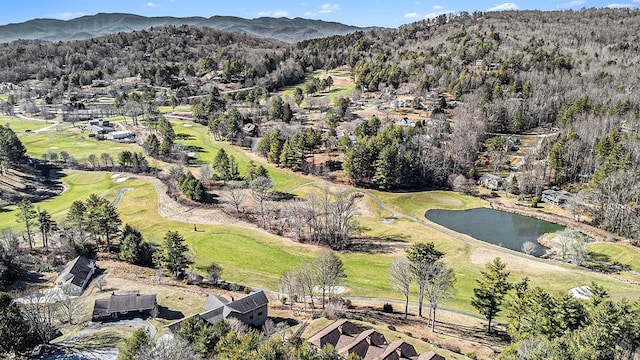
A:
x,y
573,73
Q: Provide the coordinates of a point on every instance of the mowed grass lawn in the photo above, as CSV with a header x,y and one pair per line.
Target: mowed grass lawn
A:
x,y
62,138
416,203
198,137
256,258
622,253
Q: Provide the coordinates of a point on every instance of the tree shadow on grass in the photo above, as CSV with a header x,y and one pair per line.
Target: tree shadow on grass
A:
x,y
168,314
378,244
182,136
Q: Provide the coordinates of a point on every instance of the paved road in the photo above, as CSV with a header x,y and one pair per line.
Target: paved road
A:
x,y
120,194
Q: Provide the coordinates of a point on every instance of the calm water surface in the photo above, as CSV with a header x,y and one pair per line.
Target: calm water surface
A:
x,y
495,227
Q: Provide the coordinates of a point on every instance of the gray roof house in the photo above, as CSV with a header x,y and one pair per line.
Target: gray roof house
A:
x,y
347,339
492,182
100,127
250,309
76,275
556,197
125,303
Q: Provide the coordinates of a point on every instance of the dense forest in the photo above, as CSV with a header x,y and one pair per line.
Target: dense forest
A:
x,y
502,73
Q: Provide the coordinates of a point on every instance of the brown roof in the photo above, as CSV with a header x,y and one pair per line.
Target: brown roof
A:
x,y
368,345
430,356
338,334
399,350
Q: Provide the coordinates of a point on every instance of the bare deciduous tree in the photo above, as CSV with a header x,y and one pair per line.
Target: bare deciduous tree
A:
x,y
235,194
401,277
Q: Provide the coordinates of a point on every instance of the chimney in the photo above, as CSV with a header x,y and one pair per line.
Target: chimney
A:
x,y
340,329
369,339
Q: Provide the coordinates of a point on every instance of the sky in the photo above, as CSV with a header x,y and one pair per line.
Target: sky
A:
x,y
385,13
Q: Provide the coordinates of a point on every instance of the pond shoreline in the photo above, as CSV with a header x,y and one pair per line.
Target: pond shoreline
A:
x,y
596,233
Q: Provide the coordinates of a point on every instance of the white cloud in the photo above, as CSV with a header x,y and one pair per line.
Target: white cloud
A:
x,y
411,15
274,13
504,7
438,7
151,4
571,4
68,15
328,8
622,6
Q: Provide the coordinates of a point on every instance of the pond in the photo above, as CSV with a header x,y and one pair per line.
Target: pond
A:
x,y
496,227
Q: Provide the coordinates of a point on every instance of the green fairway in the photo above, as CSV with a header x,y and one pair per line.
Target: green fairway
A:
x,y
256,258
19,126
79,185
206,148
624,254
416,203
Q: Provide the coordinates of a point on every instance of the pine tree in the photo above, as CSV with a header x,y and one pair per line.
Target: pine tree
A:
x,y
492,288
46,225
27,215
131,246
172,255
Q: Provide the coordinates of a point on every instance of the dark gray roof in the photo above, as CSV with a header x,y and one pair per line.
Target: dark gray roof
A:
x,y
248,303
79,268
131,302
214,302
213,316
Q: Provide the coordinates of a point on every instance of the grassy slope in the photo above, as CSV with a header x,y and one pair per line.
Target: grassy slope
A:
x,y
198,137
69,139
256,258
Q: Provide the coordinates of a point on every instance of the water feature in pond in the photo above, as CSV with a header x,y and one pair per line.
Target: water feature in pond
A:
x,y
496,227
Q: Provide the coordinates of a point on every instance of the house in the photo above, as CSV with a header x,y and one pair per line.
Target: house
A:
x,y
125,303
250,309
347,339
556,197
369,344
76,275
405,122
120,135
338,334
492,182
399,350
100,127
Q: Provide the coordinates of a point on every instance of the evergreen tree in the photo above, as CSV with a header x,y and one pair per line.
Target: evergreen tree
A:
x,y
46,225
172,255
15,331
152,144
132,346
12,151
28,216
491,291
131,246
222,165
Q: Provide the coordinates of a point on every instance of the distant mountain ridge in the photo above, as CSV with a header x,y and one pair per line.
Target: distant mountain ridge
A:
x,y
85,27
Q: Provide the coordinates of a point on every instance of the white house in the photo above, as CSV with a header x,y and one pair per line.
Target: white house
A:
x,y
76,275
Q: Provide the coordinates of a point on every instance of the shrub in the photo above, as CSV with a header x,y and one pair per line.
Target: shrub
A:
x,y
247,290
535,201
388,308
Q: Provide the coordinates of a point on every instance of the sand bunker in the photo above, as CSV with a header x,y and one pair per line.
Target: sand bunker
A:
x,y
187,125
115,176
121,179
